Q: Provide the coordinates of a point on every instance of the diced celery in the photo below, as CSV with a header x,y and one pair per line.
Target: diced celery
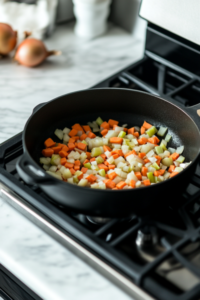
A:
x,y
99,121
102,172
178,169
181,159
159,149
156,166
131,145
45,160
75,179
151,131
96,151
122,134
59,133
162,131
84,142
83,182
87,165
78,173
151,177
126,142
180,149
66,174
157,179
171,150
162,144
168,137
167,161
96,168
99,160
55,159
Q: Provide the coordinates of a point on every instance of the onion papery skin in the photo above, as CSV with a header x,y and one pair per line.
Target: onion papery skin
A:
x,y
32,52
8,39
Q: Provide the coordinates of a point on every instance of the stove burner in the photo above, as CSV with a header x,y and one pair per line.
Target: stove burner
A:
x,y
98,220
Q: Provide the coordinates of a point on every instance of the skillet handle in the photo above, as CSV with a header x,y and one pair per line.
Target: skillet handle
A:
x,y
194,112
30,174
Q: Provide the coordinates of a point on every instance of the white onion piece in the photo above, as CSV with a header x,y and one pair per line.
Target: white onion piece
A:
x,y
180,150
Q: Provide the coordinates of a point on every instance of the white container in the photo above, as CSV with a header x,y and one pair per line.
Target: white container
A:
x,y
91,17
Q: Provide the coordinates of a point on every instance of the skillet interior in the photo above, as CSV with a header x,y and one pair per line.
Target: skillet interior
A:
x,y
126,106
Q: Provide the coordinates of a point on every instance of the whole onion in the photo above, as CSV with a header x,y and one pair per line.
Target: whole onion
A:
x,y
32,52
8,38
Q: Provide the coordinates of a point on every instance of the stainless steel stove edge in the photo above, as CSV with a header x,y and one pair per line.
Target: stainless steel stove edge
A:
x,y
54,231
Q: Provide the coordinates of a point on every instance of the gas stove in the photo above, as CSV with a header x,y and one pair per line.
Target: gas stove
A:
x,y
155,255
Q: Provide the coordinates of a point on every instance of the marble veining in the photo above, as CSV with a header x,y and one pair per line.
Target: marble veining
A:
x,y
48,268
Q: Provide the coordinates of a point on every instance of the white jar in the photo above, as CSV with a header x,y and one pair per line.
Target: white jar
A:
x,y
91,16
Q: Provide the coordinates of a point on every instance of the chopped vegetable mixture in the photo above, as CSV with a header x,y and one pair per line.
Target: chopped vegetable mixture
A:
x,y
120,158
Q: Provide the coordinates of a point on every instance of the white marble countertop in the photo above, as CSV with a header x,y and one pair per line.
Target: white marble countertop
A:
x,y
45,266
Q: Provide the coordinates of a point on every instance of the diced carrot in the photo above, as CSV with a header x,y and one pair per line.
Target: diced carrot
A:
x,y
91,135
65,148
57,149
138,175
88,155
69,165
63,153
115,188
92,159
106,163
141,155
144,171
174,156
153,140
102,166
142,141
136,134
119,152
115,156
72,171
131,130
125,129
114,126
116,140
112,122
78,127
77,167
86,161
73,132
84,170
146,160
105,125
63,161
47,152
103,156
72,140
146,125
112,175
111,167
49,143
158,159
80,177
71,146
82,146
129,153
159,172
87,128
104,132
173,174
121,184
142,130
106,148
171,168
91,178
132,183
109,183
146,182
76,138
83,136
77,163
107,176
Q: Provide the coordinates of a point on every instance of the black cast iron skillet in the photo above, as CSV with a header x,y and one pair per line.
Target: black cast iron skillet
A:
x,y
126,106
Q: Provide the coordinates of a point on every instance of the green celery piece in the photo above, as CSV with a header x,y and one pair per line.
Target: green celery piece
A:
x,y
87,165
96,152
151,131
84,142
67,174
131,145
168,137
54,159
159,149
99,160
163,145
122,134
151,177
75,179
181,159
162,131
156,166
102,172
157,179
99,121
78,173
167,161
